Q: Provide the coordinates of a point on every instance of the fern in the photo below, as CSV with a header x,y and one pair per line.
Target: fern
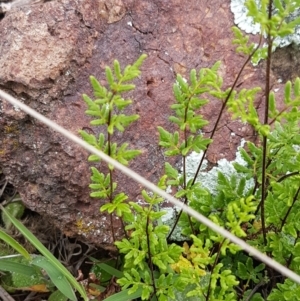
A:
x,y
259,202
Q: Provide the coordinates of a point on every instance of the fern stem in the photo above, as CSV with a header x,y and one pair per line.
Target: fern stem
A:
x,y
289,210
213,267
266,118
289,261
279,114
149,256
257,183
295,173
110,171
254,290
223,107
184,174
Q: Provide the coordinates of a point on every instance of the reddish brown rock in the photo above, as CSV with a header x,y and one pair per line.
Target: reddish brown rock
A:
x,y
48,52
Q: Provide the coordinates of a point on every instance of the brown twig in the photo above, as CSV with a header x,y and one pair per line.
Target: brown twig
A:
x,y
5,295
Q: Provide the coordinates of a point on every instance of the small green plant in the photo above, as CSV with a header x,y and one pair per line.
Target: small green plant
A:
x,y
258,203
106,111
26,272
147,255
146,248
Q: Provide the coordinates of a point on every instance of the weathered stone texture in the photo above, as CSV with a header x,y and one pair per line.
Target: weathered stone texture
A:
x,y
47,52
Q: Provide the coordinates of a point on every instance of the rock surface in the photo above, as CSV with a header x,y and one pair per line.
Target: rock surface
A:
x,y
48,51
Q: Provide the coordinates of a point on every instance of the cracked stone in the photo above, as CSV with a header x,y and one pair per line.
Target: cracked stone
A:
x,y
48,52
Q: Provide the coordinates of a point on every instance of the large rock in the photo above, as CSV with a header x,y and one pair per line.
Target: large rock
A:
x,y
48,51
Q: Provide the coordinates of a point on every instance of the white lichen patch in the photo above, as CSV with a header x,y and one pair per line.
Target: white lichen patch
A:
x,y
169,214
169,219
241,19
247,24
192,162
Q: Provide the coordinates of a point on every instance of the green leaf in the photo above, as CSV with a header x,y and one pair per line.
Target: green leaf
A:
x,y
125,296
249,264
16,267
110,270
123,88
119,198
109,207
136,206
199,143
89,138
171,172
57,296
121,103
13,243
259,268
16,209
117,70
22,280
43,250
124,155
99,90
140,61
193,78
178,96
109,77
56,276
297,87
90,103
278,5
272,104
120,121
177,121
165,136
182,83
173,152
287,92
147,290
